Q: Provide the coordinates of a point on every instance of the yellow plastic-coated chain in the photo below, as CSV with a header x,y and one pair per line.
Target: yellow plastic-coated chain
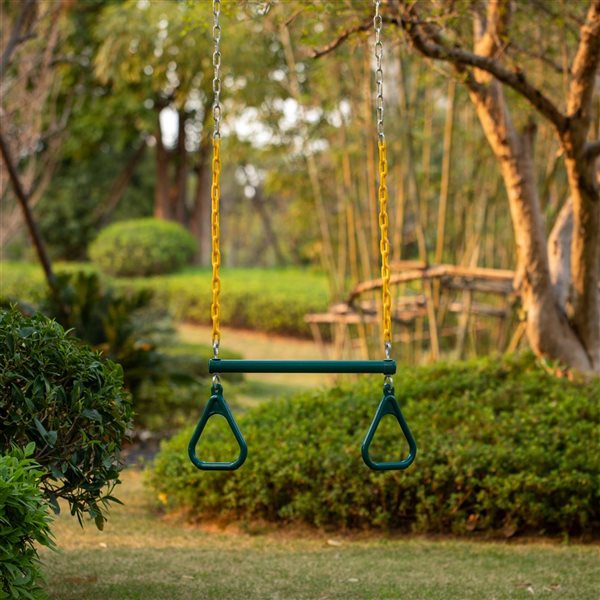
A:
x,y
384,244
215,193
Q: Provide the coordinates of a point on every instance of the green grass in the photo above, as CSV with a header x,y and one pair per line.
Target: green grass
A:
x,y
142,556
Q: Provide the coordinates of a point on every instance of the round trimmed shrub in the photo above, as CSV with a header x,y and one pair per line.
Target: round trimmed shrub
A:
x,y
142,247
502,447
68,401
24,522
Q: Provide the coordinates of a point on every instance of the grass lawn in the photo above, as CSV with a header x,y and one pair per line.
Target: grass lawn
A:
x,y
142,556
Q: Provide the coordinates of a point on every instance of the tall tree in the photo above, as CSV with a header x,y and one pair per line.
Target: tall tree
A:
x,y
487,47
33,122
162,53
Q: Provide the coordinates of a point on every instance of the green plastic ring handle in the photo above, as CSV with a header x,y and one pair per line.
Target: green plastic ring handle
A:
x,y
216,405
389,406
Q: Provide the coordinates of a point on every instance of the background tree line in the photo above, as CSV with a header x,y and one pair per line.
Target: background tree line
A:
x,y
484,101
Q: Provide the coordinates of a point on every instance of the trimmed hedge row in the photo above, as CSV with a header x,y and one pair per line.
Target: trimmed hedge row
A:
x,y
273,301
269,300
503,447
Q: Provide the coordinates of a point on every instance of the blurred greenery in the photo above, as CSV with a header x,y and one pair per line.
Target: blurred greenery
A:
x,y
269,300
164,376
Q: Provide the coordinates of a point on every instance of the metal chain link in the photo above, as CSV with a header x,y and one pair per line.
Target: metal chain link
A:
x,y
215,190
215,193
377,24
382,192
216,84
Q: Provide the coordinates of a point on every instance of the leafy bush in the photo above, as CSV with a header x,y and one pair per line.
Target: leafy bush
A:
x,y
67,400
165,380
142,247
502,447
24,522
122,326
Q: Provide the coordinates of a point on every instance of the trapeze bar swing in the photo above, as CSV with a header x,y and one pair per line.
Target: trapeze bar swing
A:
x,y
217,404
217,366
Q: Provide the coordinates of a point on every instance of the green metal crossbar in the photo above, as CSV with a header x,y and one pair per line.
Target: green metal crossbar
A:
x,y
385,367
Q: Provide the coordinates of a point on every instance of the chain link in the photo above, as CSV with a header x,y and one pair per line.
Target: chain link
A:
x,y
384,248
382,192
215,193
216,84
215,190
377,25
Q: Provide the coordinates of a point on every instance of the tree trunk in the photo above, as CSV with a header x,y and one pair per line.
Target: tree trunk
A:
x,y
161,188
573,342
120,185
548,328
32,226
559,254
179,188
199,222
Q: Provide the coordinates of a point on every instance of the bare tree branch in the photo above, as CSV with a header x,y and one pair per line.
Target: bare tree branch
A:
x,y
515,49
585,65
364,26
25,19
429,42
23,199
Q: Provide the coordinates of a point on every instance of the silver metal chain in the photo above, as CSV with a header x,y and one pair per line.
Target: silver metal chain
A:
x,y
377,24
216,84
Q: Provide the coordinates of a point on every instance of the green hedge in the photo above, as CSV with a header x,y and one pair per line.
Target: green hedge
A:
x,y
142,247
24,522
269,300
502,447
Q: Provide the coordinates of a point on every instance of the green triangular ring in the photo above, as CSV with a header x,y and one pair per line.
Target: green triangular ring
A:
x,y
389,406
217,405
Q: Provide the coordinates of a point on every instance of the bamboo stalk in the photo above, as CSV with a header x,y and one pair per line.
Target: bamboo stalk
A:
x,y
409,145
398,236
445,182
371,167
426,146
313,174
342,244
